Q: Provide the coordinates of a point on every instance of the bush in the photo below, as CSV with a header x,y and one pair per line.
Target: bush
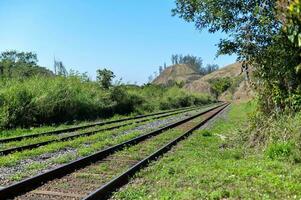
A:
x,y
220,85
125,101
175,98
207,133
46,100
282,150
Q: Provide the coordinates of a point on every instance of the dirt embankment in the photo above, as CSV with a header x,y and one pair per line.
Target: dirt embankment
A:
x,y
240,91
177,73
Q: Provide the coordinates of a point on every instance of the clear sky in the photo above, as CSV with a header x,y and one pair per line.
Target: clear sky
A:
x,y
130,37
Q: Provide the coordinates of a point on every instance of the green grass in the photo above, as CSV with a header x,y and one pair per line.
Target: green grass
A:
x,y
208,166
84,146
36,130
121,160
95,141
57,136
47,100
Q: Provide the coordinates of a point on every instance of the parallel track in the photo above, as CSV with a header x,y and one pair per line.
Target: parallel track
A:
x,y
75,128
88,133
105,191
38,180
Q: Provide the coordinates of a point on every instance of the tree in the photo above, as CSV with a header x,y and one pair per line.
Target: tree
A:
x,y
59,68
254,33
220,85
104,77
250,25
193,61
211,68
150,78
14,64
290,15
160,69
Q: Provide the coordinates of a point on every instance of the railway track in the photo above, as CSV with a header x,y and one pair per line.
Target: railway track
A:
x,y
110,168
72,135
75,128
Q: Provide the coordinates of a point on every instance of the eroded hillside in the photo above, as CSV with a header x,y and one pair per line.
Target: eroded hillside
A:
x,y
177,73
227,83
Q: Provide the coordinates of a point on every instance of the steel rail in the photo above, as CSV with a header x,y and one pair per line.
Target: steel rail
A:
x,y
75,128
31,183
106,190
88,133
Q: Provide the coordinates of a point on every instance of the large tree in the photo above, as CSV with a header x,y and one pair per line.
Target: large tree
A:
x,y
14,64
250,25
104,77
255,34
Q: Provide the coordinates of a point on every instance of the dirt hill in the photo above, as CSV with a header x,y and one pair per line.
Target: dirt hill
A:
x,y
177,73
240,89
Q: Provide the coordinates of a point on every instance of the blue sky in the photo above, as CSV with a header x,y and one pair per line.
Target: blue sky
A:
x,y
130,37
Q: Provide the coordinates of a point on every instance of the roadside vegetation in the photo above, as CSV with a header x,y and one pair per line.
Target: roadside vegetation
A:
x,y
266,36
86,142
36,99
211,164
30,162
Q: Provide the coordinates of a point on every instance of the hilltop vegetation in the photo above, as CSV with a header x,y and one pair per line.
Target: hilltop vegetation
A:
x,y
184,69
176,74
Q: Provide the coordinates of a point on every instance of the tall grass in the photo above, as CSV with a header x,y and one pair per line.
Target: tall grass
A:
x,y
46,100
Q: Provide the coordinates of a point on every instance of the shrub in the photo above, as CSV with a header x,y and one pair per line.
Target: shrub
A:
x,y
125,101
46,100
220,85
206,133
175,97
280,150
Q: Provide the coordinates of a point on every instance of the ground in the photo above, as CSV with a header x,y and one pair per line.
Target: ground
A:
x,y
208,166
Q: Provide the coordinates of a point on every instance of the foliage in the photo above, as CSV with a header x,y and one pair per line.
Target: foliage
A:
x,y
290,14
104,77
20,65
255,33
45,100
209,69
271,131
175,97
59,68
250,25
220,85
124,101
195,62
279,150
208,168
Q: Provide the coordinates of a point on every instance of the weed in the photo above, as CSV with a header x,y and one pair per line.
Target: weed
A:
x,y
206,133
199,169
48,100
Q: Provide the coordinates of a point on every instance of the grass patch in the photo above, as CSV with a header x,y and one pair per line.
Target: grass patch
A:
x,y
47,100
203,167
206,133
